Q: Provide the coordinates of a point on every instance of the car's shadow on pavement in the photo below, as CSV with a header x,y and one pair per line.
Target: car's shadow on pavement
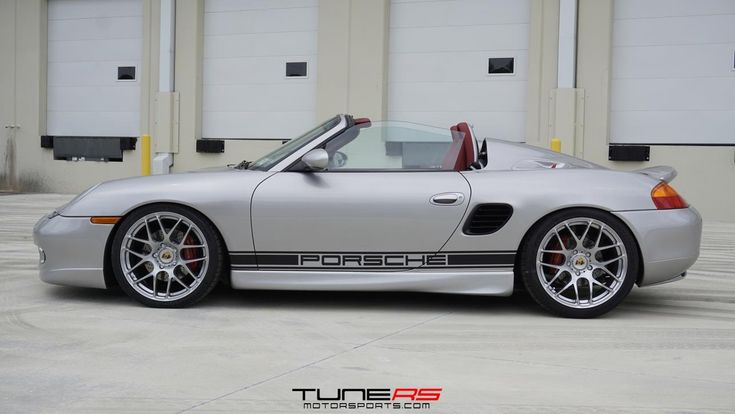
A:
x,y
225,297
640,304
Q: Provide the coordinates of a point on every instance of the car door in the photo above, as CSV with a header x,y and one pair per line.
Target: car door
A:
x,y
369,211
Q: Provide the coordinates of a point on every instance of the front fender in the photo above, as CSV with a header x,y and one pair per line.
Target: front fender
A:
x,y
222,196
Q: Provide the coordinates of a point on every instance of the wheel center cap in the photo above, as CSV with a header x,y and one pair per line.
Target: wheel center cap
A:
x,y
579,262
166,256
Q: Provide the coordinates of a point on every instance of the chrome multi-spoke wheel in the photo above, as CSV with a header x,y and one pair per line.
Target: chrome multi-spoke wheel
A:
x,y
580,263
165,256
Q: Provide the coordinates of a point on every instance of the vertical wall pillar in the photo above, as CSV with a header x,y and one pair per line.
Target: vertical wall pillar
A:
x,y
189,41
352,58
566,103
30,105
542,69
593,73
167,100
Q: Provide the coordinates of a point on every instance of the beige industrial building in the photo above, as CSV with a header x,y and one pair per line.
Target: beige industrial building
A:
x,y
624,83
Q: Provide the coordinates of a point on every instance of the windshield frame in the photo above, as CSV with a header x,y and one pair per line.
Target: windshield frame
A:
x,y
297,147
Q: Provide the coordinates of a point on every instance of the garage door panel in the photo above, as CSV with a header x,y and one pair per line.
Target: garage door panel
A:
x,y
261,124
682,94
673,61
626,9
457,13
252,69
87,74
87,98
459,96
509,125
246,47
117,123
438,64
87,41
661,127
452,66
674,30
99,28
80,9
266,44
262,21
211,6
255,97
95,50
433,39
672,78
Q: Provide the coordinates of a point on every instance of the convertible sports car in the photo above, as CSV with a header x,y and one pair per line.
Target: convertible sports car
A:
x,y
380,206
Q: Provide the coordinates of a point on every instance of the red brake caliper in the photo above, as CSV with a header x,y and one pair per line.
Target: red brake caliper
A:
x,y
557,259
189,254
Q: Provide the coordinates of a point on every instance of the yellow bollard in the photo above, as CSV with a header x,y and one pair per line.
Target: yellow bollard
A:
x,y
145,155
556,144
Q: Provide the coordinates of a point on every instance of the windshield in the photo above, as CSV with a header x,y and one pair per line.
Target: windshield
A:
x,y
279,154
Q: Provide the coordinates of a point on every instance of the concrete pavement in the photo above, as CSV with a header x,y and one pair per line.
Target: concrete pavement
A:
x,y
666,349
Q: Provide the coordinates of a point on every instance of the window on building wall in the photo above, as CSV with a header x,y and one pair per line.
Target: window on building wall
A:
x,y
295,69
501,66
126,73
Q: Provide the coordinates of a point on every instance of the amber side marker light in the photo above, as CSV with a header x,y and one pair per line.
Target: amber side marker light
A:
x,y
665,197
104,220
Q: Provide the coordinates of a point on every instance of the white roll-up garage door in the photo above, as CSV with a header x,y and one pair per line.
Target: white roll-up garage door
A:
x,y
94,54
259,68
673,72
456,60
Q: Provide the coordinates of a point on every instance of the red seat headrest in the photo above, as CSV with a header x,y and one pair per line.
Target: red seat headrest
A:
x,y
463,151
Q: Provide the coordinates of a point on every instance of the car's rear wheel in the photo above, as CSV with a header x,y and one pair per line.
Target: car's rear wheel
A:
x,y
580,263
166,256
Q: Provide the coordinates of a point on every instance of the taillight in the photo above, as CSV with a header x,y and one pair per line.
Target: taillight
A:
x,y
665,197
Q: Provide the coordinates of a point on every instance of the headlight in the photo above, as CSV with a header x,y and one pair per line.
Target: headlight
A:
x,y
41,256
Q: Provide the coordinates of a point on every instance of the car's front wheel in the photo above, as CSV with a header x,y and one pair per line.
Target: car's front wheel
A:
x,y
579,263
166,256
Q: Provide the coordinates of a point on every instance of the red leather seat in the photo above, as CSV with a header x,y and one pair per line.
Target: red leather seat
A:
x,y
463,151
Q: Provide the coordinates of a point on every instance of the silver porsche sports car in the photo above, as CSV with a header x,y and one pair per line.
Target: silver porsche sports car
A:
x,y
380,206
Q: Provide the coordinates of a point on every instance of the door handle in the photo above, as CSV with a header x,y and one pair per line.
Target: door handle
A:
x,y
447,199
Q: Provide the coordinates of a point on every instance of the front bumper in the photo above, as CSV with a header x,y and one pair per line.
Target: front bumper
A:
x,y
669,241
74,250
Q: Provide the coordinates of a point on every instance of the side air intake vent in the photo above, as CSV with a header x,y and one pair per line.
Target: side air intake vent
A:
x,y
487,219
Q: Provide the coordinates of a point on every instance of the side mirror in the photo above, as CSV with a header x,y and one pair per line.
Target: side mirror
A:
x,y
316,159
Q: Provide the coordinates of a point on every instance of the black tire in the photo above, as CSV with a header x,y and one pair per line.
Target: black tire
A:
x,y
530,272
209,279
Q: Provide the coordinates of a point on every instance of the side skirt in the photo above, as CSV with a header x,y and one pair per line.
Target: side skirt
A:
x,y
494,282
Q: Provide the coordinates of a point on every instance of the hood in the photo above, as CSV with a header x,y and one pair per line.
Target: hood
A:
x,y
116,197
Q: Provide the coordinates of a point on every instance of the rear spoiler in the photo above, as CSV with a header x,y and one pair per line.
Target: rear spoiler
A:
x,y
660,172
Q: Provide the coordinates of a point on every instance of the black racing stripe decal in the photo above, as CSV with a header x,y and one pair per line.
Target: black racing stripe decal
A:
x,y
242,259
377,269
371,260
375,252
480,259
277,259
